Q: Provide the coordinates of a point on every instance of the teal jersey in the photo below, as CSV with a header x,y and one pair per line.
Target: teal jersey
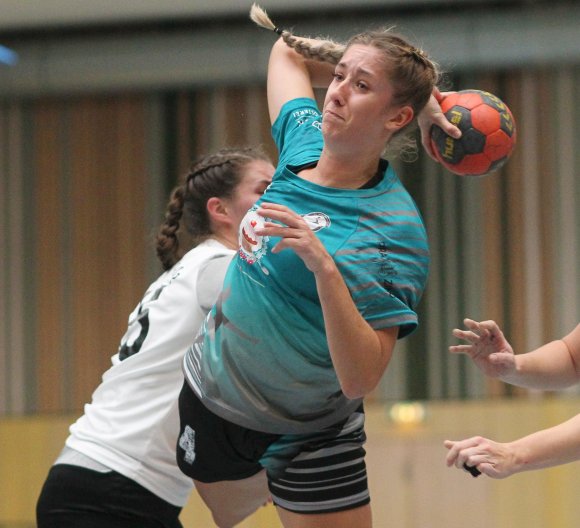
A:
x,y
262,358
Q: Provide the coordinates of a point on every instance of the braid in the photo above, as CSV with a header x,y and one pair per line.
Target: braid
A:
x,y
324,50
421,57
167,243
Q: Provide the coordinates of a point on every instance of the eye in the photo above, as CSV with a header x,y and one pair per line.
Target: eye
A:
x,y
362,85
338,76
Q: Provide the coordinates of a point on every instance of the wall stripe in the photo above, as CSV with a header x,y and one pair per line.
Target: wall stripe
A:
x,y
566,225
15,276
5,260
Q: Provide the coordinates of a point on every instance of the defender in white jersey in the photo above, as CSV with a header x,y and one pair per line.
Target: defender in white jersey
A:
x,y
332,263
118,466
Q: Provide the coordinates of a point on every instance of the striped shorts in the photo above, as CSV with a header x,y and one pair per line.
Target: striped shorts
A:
x,y
320,472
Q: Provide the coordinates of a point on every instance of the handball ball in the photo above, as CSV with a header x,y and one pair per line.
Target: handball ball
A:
x,y
488,133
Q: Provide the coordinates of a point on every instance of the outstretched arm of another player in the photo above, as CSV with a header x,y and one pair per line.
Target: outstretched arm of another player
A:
x,y
552,366
555,365
547,448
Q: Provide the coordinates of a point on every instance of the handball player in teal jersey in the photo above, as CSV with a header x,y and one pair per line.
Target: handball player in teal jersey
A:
x,y
332,262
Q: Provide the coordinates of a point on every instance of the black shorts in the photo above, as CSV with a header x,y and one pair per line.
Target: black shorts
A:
x,y
307,473
78,497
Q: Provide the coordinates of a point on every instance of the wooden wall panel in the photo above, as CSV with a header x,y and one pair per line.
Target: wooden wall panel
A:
x,y
135,238
108,201
546,208
52,260
4,248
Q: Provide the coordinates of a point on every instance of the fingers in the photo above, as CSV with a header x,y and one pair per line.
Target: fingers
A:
x,y
478,330
282,214
449,128
466,452
460,349
470,336
438,95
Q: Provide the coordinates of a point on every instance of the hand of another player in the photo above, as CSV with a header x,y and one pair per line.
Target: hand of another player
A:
x,y
433,115
491,458
488,348
295,234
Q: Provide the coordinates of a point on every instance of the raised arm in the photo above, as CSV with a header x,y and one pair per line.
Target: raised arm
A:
x,y
297,64
290,75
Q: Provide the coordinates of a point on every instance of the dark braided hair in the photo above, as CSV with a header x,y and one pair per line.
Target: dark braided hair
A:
x,y
215,174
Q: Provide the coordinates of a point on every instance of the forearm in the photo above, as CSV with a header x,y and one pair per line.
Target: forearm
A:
x,y
320,71
359,354
290,76
547,448
549,367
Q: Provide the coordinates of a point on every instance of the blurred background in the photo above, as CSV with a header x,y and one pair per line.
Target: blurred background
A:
x,y
104,106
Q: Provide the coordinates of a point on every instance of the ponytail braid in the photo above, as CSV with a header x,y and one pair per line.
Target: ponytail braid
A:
x,y
167,243
323,50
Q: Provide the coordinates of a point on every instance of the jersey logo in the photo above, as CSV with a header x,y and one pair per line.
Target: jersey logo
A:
x,y
252,246
316,221
187,443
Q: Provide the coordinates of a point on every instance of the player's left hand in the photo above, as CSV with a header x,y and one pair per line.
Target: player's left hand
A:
x,y
433,115
295,234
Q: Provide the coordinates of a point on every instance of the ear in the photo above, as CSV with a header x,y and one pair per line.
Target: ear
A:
x,y
218,211
400,118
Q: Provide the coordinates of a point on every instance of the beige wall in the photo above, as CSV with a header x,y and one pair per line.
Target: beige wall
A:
x,y
411,486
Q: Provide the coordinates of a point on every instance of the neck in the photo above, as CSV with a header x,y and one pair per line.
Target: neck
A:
x,y
229,240
343,172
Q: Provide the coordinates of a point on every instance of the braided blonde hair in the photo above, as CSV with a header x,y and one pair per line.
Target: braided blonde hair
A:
x,y
412,73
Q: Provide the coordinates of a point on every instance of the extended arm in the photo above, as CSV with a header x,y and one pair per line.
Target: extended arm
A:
x,y
547,448
555,365
551,366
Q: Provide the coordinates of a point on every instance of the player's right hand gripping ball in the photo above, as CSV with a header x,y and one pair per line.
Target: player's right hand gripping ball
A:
x,y
488,133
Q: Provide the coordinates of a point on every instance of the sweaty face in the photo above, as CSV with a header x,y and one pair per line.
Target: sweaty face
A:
x,y
257,175
357,103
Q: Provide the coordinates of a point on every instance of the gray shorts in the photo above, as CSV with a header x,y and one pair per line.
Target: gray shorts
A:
x,y
321,472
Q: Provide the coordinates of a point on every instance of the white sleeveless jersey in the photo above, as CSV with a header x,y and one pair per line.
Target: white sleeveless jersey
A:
x,y
132,422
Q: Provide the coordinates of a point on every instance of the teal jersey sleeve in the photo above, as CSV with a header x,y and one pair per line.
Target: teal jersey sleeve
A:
x,y
297,133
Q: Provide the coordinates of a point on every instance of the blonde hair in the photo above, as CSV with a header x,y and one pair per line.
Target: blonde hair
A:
x,y
413,74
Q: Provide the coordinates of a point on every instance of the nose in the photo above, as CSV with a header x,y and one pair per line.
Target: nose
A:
x,y
338,93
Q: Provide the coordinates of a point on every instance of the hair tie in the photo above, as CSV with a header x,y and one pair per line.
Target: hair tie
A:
x,y
278,30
